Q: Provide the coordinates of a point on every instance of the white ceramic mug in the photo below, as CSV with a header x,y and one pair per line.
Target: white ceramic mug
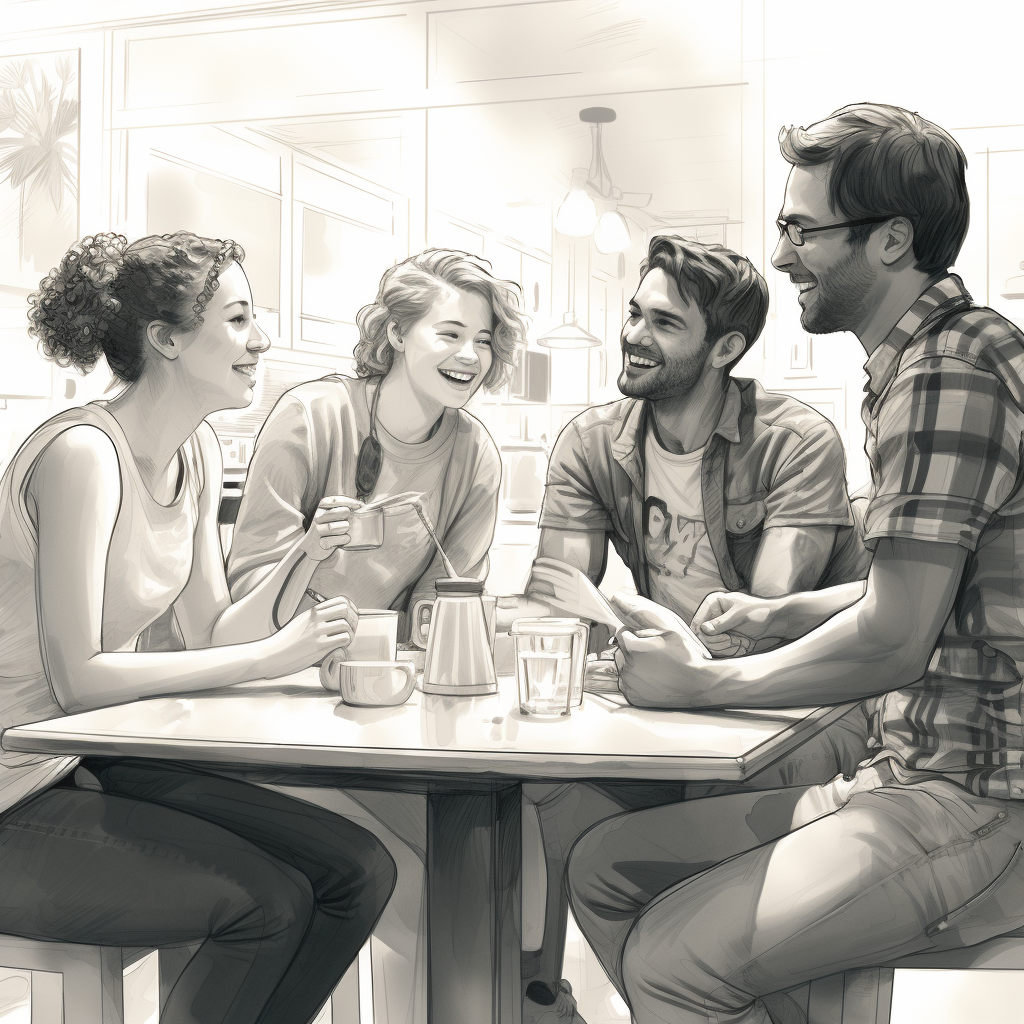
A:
x,y
368,684
376,636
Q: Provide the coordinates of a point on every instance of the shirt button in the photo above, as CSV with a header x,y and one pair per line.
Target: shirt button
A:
x,y
740,523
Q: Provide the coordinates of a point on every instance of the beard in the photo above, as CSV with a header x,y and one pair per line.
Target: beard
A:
x,y
842,296
669,380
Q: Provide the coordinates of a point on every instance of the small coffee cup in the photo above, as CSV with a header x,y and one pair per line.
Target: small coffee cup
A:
x,y
368,684
366,529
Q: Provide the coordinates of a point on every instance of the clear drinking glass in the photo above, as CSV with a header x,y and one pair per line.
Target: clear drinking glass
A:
x,y
550,657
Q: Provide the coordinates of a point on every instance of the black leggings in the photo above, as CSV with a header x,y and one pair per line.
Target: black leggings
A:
x,y
281,894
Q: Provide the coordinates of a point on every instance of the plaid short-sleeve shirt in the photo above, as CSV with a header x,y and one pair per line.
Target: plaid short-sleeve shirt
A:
x,y
944,413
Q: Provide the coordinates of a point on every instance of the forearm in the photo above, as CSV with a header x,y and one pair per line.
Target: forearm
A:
x,y
270,604
849,658
880,643
799,613
118,677
519,606
585,551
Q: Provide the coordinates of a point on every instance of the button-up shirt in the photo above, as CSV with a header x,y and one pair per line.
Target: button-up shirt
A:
x,y
779,463
945,436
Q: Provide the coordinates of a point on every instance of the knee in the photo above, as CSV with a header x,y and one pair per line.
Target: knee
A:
x,y
588,870
265,900
661,964
647,962
381,877
362,879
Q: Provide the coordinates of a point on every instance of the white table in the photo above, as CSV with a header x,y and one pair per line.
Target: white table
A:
x,y
468,755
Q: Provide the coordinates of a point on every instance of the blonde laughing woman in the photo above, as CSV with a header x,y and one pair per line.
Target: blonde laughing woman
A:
x,y
440,328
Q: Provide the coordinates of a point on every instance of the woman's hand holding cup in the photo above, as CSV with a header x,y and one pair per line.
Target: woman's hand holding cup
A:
x,y
330,528
311,636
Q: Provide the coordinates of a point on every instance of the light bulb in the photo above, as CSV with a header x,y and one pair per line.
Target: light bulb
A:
x,y
577,216
612,233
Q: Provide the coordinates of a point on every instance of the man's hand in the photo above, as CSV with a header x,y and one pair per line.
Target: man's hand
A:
x,y
660,661
729,624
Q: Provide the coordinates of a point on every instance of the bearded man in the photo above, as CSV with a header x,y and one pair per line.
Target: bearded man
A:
x,y
750,493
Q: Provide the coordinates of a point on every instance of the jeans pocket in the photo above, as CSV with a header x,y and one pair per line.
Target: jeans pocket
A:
x,y
995,910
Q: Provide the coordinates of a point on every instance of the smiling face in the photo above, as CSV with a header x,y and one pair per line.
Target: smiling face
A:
x,y
447,352
663,342
833,276
219,357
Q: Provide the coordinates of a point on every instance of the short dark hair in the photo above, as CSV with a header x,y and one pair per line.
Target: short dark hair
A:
x,y
725,286
889,162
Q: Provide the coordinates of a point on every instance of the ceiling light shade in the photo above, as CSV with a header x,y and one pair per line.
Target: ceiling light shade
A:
x,y
577,216
569,334
611,233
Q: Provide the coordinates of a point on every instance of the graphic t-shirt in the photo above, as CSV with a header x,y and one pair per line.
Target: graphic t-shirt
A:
x,y
683,568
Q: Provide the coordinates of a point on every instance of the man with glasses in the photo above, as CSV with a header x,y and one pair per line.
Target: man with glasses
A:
x,y
710,910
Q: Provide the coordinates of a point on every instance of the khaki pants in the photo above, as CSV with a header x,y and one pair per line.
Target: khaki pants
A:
x,y
705,910
565,811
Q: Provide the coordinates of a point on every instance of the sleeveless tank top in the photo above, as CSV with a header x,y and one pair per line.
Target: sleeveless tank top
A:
x,y
148,564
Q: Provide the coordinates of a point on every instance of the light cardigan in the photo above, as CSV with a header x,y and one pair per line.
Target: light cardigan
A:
x,y
307,450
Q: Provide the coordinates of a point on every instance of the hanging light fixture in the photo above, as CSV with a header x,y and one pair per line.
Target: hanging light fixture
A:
x,y
611,233
1014,287
578,216
569,334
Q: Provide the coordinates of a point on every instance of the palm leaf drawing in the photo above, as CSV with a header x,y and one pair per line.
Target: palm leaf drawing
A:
x,y
13,75
8,110
37,157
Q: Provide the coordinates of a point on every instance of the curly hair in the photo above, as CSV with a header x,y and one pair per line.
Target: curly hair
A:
x,y
105,293
408,290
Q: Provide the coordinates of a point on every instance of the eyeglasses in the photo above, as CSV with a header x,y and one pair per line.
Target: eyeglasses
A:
x,y
797,232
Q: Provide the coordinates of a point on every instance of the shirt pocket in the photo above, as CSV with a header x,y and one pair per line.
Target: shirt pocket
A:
x,y
744,517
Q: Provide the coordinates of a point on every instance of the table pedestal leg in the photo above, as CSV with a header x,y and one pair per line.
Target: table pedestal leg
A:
x,y
473,886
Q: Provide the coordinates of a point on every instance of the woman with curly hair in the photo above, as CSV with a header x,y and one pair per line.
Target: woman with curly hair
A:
x,y
108,521
441,328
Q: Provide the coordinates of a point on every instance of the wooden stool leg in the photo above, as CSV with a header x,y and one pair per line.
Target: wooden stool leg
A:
x,y
93,985
862,996
172,961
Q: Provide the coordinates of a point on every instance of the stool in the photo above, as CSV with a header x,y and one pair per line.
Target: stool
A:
x,y
864,996
80,984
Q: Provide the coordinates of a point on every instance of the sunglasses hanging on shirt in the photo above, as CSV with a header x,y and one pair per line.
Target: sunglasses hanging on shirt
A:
x,y
370,455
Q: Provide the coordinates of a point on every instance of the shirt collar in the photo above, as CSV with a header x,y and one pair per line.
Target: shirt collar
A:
x,y
728,422
881,364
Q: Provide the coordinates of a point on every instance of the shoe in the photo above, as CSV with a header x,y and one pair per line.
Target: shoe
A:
x,y
542,1006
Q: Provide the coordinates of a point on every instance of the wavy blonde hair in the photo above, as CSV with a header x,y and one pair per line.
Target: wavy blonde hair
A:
x,y
408,290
